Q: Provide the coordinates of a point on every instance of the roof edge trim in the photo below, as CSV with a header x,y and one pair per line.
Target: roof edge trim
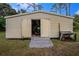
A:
x,y
51,13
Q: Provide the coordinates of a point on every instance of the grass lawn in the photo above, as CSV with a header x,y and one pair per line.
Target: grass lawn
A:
x,y
21,47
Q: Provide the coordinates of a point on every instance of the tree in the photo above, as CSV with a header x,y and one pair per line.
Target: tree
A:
x,y
22,11
55,8
12,12
76,23
6,9
2,23
39,6
58,7
67,6
35,6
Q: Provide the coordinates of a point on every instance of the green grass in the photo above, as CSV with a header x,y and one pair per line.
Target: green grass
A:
x,y
77,36
21,47
66,48
9,46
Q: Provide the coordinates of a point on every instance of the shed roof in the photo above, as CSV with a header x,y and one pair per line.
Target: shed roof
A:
x,y
50,13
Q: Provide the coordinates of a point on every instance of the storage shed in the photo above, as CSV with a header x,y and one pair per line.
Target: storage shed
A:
x,y
37,24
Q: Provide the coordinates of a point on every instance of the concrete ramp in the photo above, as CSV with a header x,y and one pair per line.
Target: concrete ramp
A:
x,y
37,42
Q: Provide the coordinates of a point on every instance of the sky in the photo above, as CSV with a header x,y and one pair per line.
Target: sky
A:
x,y
46,7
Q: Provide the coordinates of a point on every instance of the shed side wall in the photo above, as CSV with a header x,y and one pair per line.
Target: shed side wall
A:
x,y
13,27
66,24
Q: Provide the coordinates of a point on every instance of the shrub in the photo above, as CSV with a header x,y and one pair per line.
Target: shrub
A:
x,y
2,23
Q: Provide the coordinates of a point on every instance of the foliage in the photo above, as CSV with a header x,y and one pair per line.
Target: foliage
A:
x,y
76,23
6,9
2,23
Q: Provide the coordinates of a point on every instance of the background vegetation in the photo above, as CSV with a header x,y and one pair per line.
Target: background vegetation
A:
x,y
2,23
76,23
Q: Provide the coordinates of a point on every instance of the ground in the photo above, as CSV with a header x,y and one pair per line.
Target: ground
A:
x,y
21,47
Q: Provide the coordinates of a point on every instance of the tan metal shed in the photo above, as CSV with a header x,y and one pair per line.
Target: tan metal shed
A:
x,y
21,25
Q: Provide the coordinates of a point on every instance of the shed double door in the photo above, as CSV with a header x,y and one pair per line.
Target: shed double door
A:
x,y
45,29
